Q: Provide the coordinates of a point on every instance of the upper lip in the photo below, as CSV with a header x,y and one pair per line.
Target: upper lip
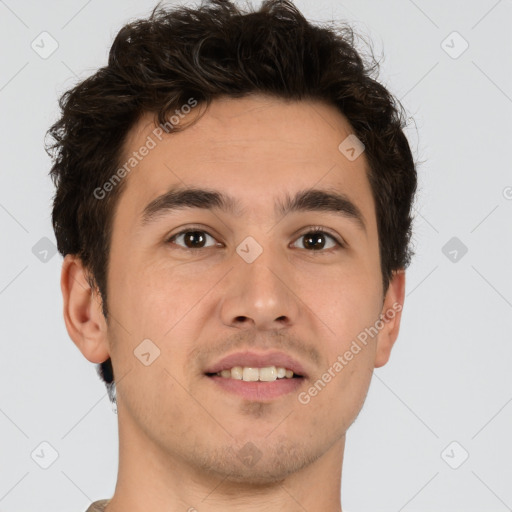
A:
x,y
257,360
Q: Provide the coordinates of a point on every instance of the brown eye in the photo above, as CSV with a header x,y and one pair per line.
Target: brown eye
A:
x,y
191,239
316,240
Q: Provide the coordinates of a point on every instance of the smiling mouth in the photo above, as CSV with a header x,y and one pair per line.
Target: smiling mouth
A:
x,y
253,374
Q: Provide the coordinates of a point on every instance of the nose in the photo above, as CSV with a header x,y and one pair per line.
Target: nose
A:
x,y
259,295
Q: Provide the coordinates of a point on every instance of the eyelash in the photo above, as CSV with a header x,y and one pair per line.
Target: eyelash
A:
x,y
310,230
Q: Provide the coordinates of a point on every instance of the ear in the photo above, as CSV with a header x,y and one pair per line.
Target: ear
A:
x,y
390,315
83,316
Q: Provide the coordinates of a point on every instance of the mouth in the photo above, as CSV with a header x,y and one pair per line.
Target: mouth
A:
x,y
257,376
250,374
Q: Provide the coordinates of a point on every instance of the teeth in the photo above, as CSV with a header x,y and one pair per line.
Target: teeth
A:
x,y
268,374
249,374
236,373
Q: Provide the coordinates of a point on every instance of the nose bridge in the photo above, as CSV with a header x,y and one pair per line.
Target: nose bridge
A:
x,y
258,291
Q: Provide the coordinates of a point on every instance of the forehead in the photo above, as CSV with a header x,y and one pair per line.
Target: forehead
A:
x,y
255,148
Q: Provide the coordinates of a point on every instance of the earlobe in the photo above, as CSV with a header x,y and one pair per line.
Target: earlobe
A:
x,y
83,316
391,316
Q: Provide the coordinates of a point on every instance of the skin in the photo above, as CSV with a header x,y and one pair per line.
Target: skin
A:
x,y
179,435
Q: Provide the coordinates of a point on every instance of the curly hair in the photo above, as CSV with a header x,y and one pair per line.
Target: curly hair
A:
x,y
156,64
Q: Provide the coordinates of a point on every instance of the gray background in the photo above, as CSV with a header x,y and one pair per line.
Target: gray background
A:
x,y
449,377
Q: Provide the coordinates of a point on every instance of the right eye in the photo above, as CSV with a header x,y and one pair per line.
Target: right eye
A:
x,y
192,239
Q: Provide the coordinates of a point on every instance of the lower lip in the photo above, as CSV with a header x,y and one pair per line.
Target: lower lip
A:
x,y
258,390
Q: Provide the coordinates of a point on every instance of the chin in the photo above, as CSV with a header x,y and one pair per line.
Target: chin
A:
x,y
250,466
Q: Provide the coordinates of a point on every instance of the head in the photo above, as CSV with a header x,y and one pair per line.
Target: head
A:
x,y
254,106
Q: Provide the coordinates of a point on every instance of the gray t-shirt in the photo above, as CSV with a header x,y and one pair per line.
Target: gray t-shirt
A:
x,y
98,506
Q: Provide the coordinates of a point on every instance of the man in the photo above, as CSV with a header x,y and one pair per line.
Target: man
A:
x,y
233,206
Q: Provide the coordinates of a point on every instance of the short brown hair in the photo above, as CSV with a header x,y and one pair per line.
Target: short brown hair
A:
x,y
157,64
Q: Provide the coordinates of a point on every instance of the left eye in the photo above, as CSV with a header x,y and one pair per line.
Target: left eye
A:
x,y
313,240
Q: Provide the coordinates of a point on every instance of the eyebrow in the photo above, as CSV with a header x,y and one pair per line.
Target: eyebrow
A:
x,y
309,200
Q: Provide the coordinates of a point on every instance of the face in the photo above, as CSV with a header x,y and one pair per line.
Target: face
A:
x,y
199,284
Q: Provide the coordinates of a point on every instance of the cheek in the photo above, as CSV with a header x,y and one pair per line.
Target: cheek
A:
x,y
346,309
346,299
150,300
335,397
153,398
